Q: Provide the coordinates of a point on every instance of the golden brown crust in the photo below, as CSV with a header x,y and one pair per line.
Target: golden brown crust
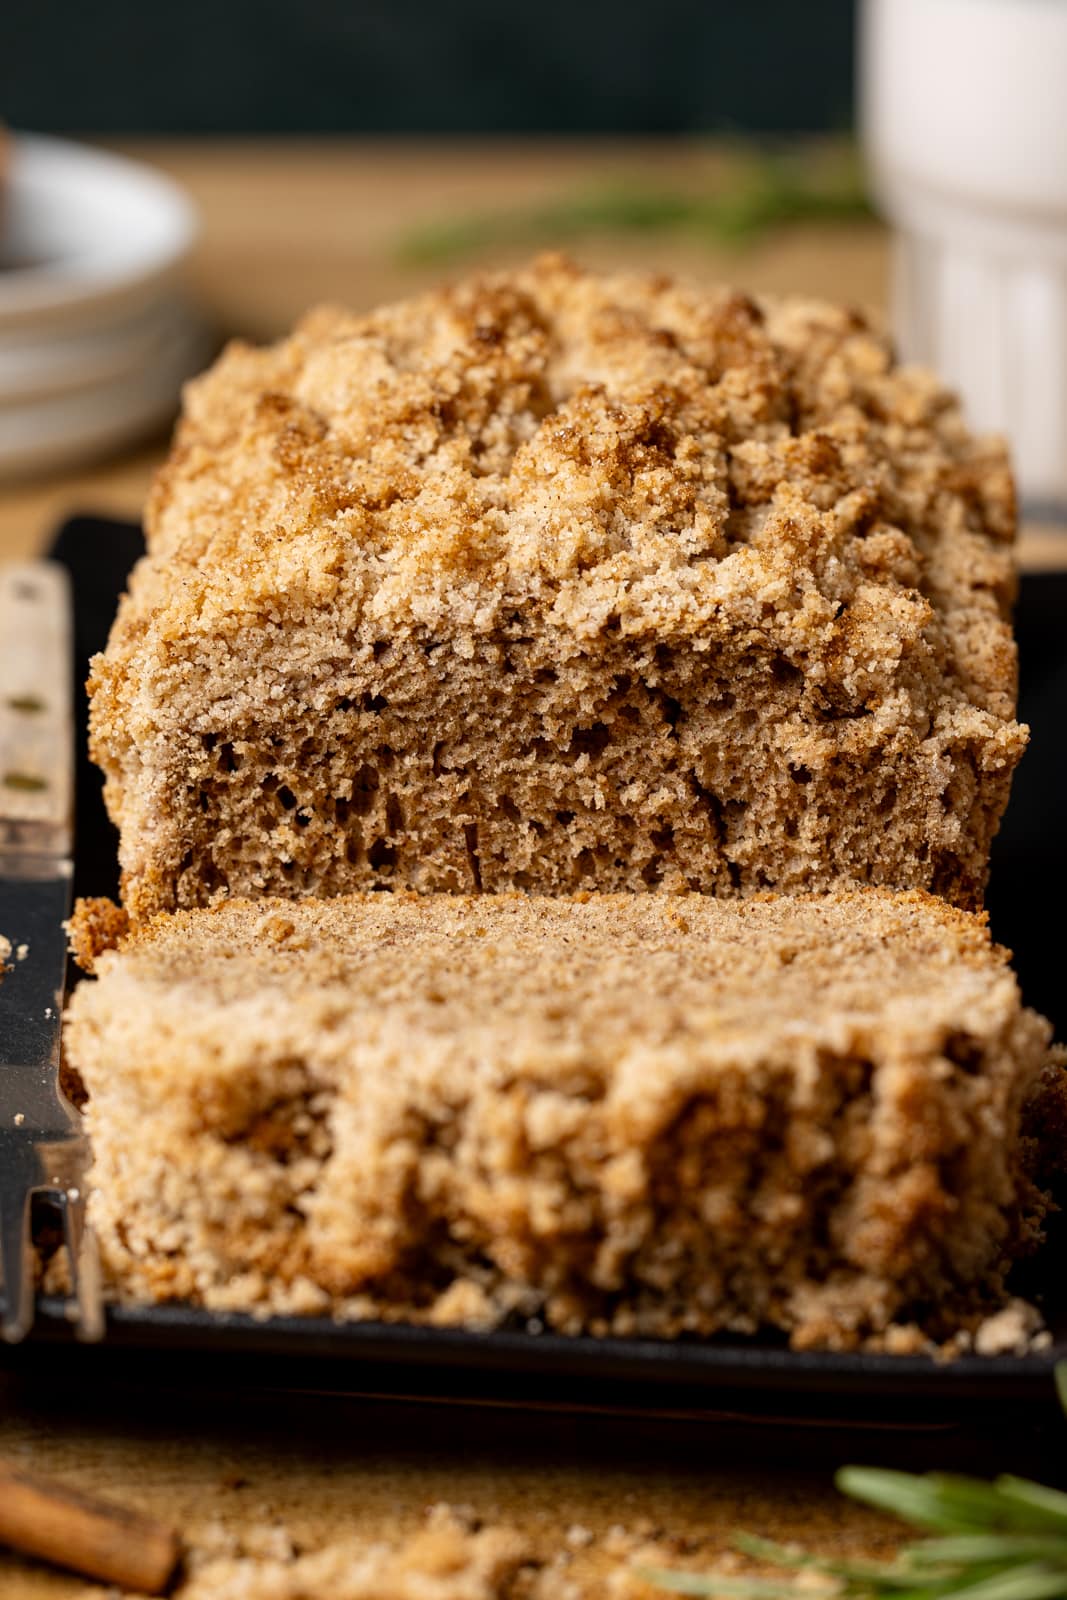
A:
x,y
627,1113
550,580
97,924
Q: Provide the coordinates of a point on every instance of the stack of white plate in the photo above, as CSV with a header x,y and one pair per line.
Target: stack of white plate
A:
x,y
95,335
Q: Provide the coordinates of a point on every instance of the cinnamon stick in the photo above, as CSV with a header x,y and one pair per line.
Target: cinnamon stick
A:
x,y
94,1537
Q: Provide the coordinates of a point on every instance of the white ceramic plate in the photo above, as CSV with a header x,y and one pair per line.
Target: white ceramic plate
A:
x,y
95,340
87,238
75,425
32,368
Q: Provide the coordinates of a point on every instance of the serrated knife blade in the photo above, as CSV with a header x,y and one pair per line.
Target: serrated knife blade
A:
x,y
43,1148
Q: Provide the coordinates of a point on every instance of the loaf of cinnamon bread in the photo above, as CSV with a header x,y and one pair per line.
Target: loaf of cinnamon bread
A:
x,y
553,582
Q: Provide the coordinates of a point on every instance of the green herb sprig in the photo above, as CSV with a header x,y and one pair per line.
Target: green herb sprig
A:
x,y
765,189
1004,1540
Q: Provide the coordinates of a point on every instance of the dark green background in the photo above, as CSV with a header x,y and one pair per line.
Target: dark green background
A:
x,y
136,66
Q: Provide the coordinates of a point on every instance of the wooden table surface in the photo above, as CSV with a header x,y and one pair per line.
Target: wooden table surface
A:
x,y
285,225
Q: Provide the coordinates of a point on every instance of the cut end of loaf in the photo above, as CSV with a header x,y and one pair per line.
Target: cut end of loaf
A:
x,y
627,1114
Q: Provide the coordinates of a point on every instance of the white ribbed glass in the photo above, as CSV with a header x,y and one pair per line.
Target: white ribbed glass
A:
x,y
964,122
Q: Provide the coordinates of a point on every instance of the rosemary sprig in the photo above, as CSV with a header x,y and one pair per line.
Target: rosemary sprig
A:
x,y
1004,1540
764,190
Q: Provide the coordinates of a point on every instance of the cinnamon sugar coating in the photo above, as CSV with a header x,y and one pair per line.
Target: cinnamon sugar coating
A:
x,y
633,1114
555,581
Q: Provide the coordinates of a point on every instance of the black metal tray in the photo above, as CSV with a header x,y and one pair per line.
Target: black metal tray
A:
x,y
755,1378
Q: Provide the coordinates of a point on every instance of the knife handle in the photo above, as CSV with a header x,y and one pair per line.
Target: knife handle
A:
x,y
36,710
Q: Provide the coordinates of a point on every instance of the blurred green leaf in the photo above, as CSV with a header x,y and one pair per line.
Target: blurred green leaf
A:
x,y
1004,1540
761,191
